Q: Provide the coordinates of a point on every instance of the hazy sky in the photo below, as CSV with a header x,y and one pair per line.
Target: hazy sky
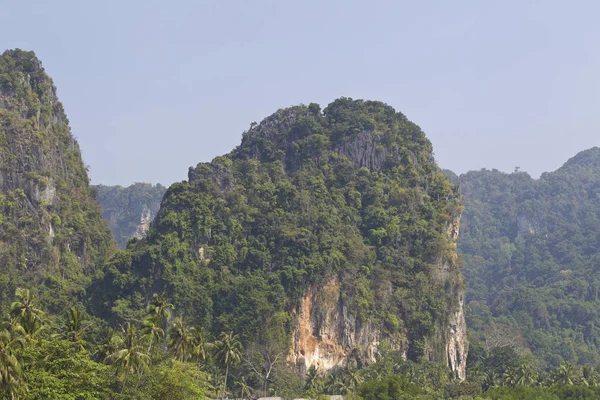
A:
x,y
153,87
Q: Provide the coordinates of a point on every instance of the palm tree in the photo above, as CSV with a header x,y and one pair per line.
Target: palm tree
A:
x,y
200,343
10,368
526,375
27,314
130,355
74,329
314,382
590,376
228,352
490,380
566,374
152,331
180,340
160,308
336,384
214,382
245,389
106,345
354,378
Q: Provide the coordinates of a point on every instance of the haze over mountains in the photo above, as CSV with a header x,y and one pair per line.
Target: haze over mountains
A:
x,y
317,257
530,258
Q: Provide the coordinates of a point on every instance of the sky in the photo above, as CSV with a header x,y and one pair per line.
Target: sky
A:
x,y
154,87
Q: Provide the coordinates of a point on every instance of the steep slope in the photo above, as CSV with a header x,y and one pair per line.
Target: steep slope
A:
x,y
532,250
52,235
129,211
336,226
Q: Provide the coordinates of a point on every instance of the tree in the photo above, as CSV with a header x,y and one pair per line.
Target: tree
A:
x,y
74,330
27,314
245,389
160,309
228,352
57,370
262,360
566,374
354,378
181,341
314,382
130,355
10,367
200,344
152,331
178,381
502,335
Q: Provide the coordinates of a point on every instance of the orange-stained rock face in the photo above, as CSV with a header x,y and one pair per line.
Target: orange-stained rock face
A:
x,y
325,334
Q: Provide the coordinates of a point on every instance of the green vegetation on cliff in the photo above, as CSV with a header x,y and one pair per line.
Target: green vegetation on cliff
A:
x,y
52,234
531,250
352,192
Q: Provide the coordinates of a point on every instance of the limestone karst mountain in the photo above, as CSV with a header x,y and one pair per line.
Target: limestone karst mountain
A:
x,y
52,234
334,227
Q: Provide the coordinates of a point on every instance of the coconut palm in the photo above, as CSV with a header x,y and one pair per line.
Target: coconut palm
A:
x,y
152,331
354,378
314,382
526,375
214,382
130,355
74,329
200,344
160,308
245,389
566,374
106,345
24,312
490,380
10,367
228,351
590,376
336,384
180,340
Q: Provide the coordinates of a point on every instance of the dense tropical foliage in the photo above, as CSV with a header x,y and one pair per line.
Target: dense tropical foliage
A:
x,y
531,251
204,305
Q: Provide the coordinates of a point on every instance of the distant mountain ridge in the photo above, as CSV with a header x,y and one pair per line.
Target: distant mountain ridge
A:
x,y
531,249
130,210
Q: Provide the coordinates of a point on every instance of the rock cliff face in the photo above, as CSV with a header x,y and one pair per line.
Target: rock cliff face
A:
x,y
51,230
327,333
130,210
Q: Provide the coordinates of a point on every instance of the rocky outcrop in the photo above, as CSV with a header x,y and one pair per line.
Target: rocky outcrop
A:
x,y
457,346
327,333
130,210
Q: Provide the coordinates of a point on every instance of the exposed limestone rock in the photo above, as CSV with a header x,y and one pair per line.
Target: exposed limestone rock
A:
x,y
145,219
130,210
325,332
456,344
